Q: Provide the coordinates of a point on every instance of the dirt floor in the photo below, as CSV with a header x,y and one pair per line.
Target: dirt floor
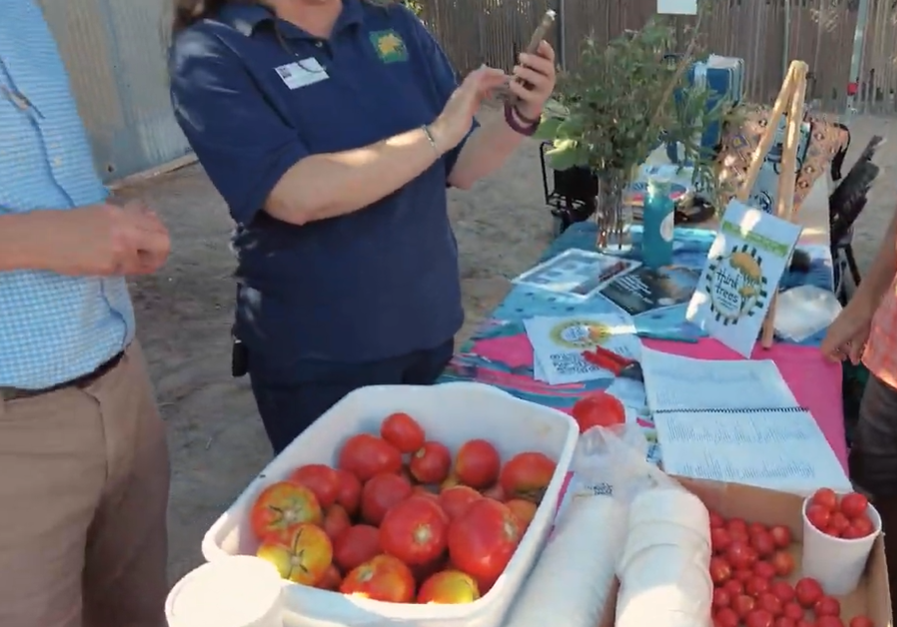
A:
x,y
185,313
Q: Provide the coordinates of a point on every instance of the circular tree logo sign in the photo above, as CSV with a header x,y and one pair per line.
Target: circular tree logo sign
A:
x,y
736,284
581,334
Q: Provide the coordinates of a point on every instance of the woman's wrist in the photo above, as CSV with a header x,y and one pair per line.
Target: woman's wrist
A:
x,y
519,123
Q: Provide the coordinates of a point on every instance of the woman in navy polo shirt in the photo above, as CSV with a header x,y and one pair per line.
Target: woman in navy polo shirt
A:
x,y
332,129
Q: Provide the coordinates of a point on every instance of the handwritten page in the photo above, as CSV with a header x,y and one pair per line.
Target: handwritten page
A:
x,y
779,450
675,383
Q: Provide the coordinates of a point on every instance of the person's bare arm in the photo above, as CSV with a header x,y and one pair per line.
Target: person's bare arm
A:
x,y
21,246
484,153
328,185
882,272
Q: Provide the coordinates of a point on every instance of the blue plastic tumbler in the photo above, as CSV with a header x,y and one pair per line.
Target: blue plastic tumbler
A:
x,y
657,220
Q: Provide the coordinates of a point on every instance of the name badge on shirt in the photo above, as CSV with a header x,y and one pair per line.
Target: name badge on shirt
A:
x,y
301,73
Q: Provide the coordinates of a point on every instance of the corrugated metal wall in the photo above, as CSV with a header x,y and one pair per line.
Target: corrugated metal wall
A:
x,y
114,53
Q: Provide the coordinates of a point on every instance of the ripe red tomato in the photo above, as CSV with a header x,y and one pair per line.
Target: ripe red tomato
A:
x,y
320,479
431,463
720,570
380,494
366,455
763,543
330,580
716,521
355,546
756,586
782,590
598,409
281,507
861,621
743,575
863,525
827,606
737,525
727,617
784,621
781,536
414,531
477,464
336,521
720,539
455,500
807,591
837,524
303,556
770,602
721,598
743,605
783,563
482,540
348,493
449,586
804,622
523,511
764,570
793,610
825,498
402,431
829,621
383,578
755,528
759,618
734,588
738,555
819,516
526,476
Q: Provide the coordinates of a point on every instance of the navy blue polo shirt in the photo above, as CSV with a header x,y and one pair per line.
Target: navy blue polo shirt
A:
x,y
254,95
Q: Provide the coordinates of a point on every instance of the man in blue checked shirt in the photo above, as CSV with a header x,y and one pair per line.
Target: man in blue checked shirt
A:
x,y
83,461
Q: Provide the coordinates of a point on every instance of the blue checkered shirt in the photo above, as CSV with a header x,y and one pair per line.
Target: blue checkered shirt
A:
x,y
53,328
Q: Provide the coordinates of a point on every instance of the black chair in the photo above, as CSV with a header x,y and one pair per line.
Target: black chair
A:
x,y
571,195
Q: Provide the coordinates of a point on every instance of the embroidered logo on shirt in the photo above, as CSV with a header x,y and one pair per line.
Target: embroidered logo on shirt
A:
x,y
389,46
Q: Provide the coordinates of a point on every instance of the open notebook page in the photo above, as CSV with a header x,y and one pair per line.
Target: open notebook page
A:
x,y
675,383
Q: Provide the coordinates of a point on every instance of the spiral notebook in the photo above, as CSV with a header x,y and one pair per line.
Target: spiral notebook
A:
x,y
736,421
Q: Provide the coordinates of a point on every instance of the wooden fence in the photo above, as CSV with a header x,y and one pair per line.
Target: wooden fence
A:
x,y
820,32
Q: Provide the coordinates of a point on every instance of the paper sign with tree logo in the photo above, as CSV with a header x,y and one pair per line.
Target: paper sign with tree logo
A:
x,y
744,267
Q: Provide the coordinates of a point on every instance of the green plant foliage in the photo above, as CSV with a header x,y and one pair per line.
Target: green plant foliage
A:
x,y
624,100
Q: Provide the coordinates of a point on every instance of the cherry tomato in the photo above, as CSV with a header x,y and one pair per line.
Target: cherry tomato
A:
x,y
414,531
482,540
734,588
756,586
863,525
477,464
782,590
727,617
303,556
716,521
756,528
759,618
598,409
403,432
743,575
852,533
320,479
838,523
721,598
431,463
765,570
825,498
783,563
807,591
526,476
720,570
383,578
355,546
853,505
720,539
804,622
449,586
336,521
330,580
819,516
784,621
770,602
366,455
380,494
762,542
743,605
738,555
523,511
829,621
455,500
281,507
793,610
781,536
861,621
827,606
349,491
737,524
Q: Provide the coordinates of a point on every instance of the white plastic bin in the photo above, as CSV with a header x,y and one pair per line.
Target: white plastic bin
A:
x,y
451,413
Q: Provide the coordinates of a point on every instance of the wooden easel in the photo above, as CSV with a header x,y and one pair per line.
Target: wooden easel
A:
x,y
791,98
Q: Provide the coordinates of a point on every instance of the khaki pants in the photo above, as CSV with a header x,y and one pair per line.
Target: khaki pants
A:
x,y
84,481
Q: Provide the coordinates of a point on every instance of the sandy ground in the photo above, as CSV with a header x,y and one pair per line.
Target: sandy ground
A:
x,y
185,312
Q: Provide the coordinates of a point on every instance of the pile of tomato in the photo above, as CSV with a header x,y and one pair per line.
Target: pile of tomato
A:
x,y
846,517
751,567
400,518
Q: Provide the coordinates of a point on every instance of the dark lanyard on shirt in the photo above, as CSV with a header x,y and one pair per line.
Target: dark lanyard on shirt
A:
x,y
283,44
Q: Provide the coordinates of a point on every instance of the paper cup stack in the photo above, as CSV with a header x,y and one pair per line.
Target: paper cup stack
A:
x,y
664,569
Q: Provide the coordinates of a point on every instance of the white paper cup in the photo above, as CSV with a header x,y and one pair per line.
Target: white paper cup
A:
x,y
239,591
837,564
669,505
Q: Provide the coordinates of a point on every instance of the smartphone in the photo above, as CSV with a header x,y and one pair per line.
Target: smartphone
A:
x,y
538,35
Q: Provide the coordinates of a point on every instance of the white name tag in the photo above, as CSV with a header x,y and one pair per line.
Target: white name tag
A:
x,y
301,73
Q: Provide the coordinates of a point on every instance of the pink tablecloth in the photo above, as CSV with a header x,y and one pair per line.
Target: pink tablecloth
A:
x,y
815,382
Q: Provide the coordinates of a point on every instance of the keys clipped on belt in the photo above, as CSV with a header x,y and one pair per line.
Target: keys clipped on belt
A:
x,y
617,365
